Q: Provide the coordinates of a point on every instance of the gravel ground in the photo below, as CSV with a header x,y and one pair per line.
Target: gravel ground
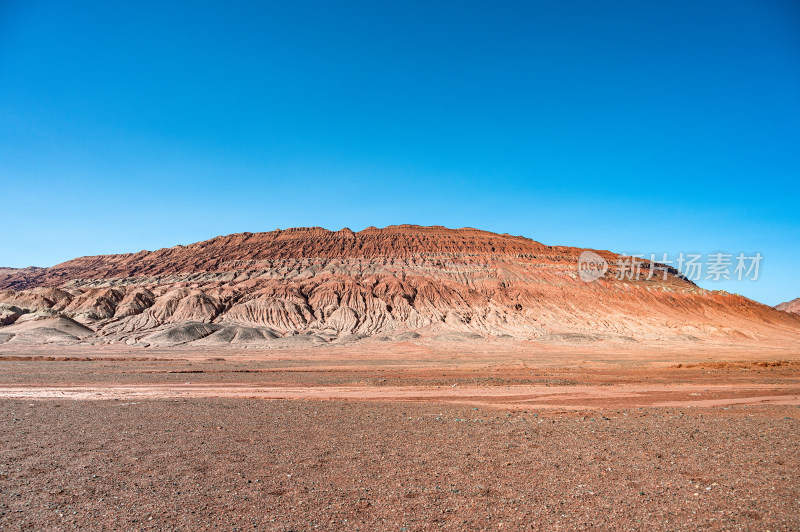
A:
x,y
239,464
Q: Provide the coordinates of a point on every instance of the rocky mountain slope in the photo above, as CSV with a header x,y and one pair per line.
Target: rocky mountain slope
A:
x,y
790,306
310,286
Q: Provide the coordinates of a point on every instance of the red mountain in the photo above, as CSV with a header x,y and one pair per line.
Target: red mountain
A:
x,y
314,286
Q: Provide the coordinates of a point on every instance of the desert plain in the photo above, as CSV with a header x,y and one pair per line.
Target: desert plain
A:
x,y
404,436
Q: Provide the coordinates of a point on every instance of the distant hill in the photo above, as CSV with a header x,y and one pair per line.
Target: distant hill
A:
x,y
790,306
311,286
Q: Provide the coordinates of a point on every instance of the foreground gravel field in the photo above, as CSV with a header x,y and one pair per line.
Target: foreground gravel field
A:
x,y
239,464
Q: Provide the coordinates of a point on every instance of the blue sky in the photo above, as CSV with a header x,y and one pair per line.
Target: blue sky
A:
x,y
629,126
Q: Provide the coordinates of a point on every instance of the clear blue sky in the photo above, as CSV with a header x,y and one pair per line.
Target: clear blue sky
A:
x,y
630,126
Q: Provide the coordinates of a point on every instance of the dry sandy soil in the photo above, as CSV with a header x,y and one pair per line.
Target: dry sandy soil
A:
x,y
400,437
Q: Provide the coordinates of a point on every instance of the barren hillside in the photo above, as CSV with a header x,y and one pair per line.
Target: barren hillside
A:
x,y
311,286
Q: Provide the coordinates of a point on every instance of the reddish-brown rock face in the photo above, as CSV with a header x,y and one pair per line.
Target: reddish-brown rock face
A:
x,y
792,306
245,250
313,286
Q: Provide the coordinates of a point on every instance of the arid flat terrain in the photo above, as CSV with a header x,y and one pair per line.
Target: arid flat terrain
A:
x,y
404,437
